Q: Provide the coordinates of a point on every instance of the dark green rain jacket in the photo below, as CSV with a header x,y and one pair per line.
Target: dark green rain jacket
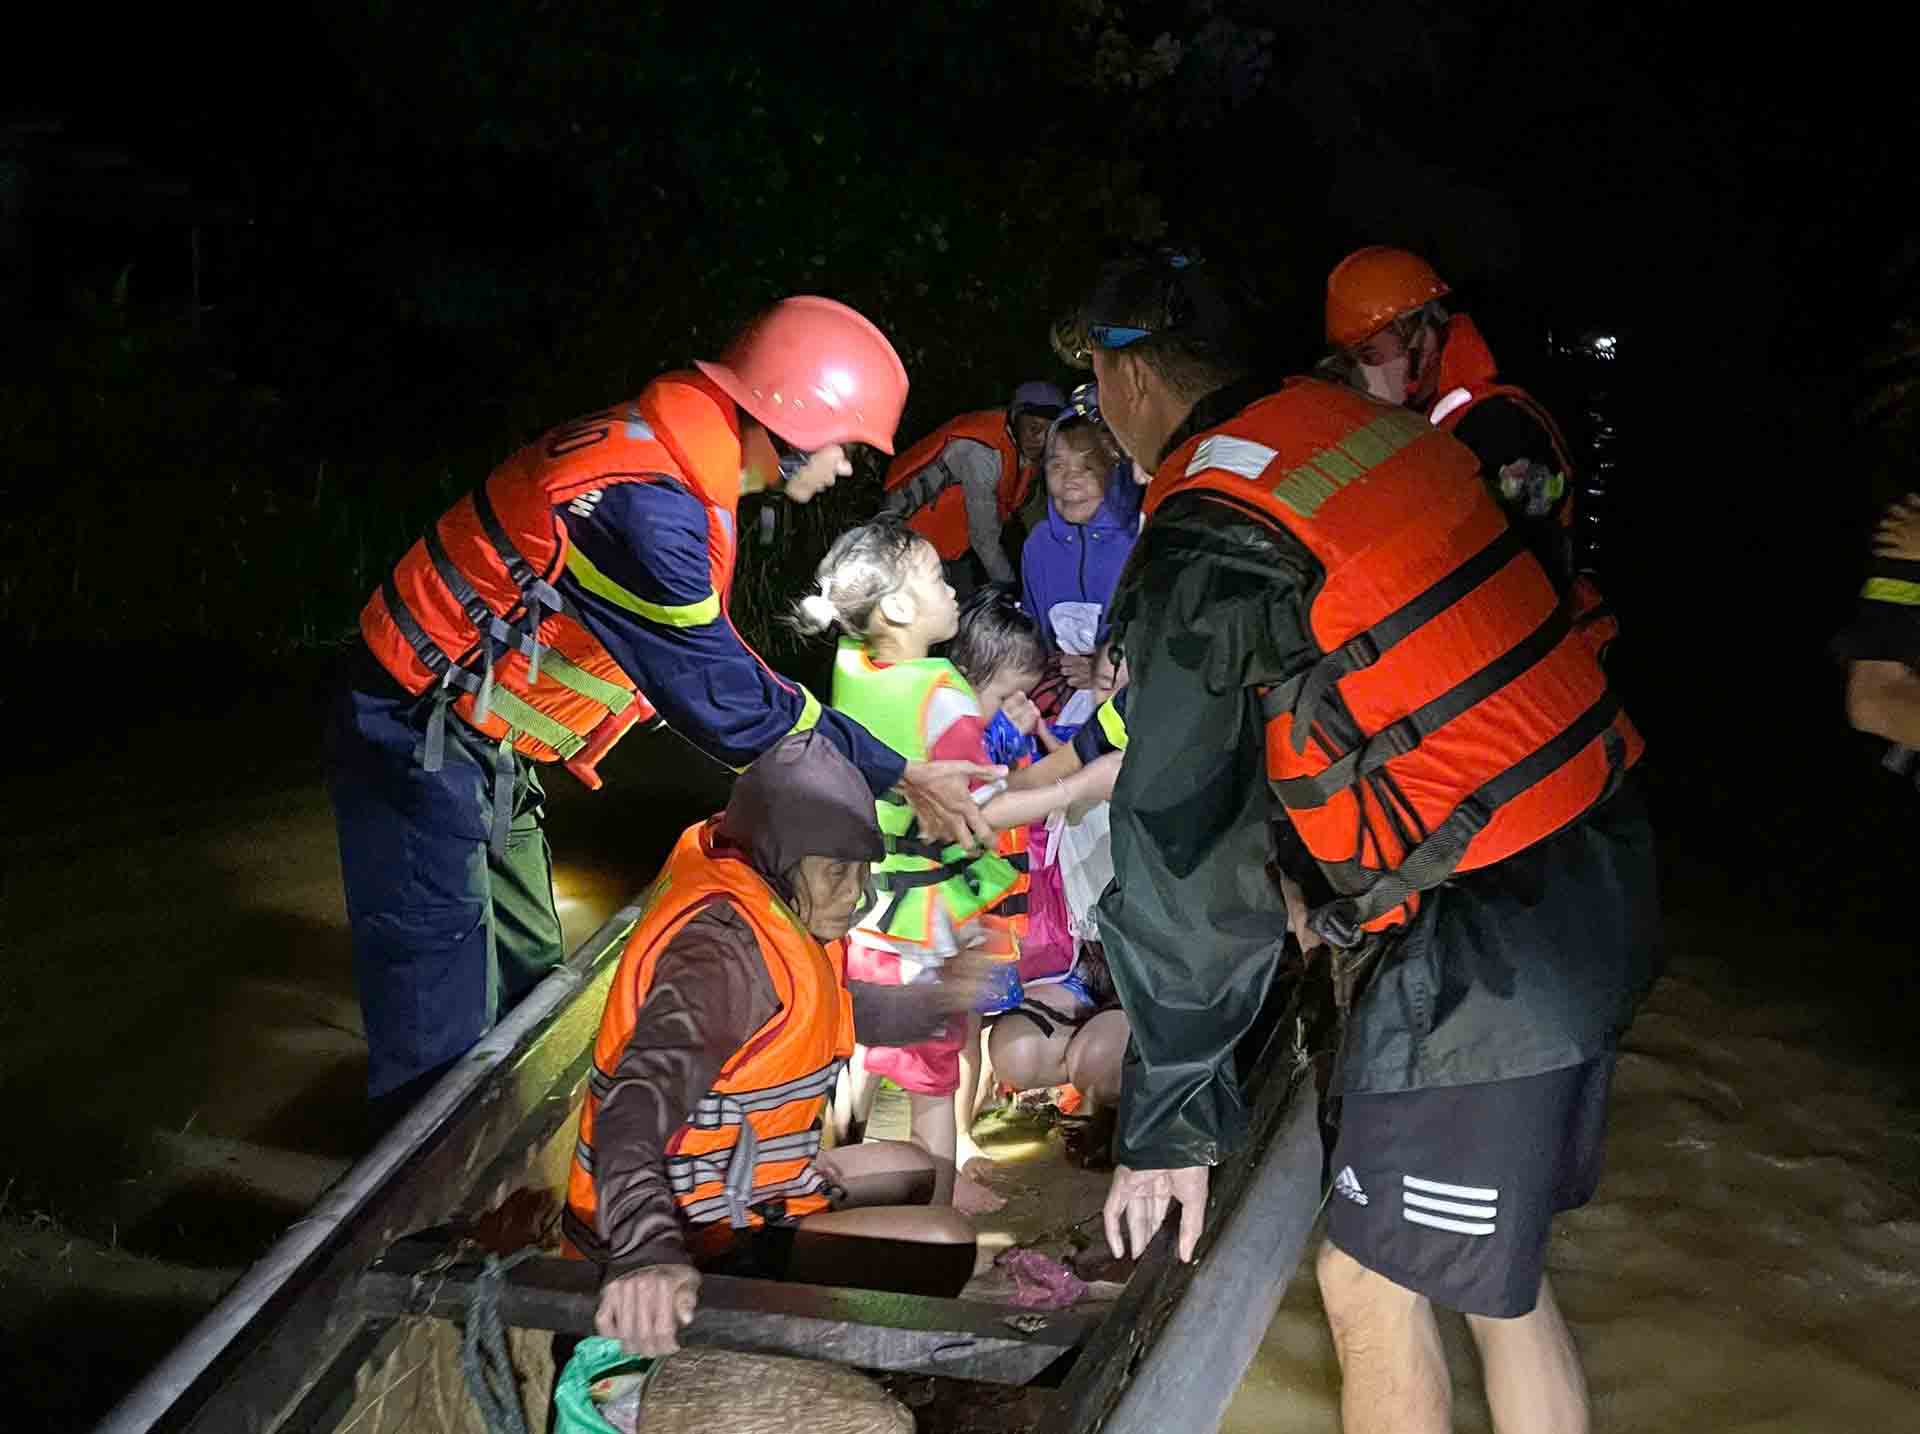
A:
x,y
1527,966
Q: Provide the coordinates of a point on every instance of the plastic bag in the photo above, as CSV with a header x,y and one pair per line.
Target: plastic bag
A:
x,y
1084,852
601,1388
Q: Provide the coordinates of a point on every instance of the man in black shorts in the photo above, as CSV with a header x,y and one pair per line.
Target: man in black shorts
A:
x,y
1478,1048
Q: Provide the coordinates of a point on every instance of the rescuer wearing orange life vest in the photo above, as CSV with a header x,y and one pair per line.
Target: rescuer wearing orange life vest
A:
x,y
725,1026
1329,623
964,482
581,590
1386,320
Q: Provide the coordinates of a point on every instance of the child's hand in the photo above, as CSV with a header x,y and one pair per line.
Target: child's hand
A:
x,y
1077,670
1020,711
1048,742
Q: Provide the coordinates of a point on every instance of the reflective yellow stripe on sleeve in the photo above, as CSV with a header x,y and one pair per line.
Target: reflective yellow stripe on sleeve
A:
x,y
1113,725
809,712
692,614
1892,590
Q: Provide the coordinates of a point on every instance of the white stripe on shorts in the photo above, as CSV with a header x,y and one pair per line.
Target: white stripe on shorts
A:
x,y
1449,1207
1435,1187
1441,1222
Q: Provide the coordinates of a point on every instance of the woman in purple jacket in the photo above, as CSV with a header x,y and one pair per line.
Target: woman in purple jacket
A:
x,y
1073,558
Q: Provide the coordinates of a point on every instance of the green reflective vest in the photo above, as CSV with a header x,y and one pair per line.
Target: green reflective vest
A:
x,y
891,702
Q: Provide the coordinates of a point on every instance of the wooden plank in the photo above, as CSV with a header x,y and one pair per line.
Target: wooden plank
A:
x,y
1215,1304
869,1329
312,1322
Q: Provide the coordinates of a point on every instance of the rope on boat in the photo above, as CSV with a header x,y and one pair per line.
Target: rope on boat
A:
x,y
483,1350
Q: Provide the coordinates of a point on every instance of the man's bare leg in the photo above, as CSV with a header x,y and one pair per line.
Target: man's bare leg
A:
x,y
1532,1371
1393,1373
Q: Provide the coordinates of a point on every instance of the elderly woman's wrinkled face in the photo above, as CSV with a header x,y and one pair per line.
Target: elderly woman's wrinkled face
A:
x,y
1077,472
826,894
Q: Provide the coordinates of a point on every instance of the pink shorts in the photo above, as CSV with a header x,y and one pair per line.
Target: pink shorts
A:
x,y
929,1067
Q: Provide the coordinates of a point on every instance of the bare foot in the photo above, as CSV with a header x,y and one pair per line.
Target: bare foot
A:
x,y
970,1197
980,1168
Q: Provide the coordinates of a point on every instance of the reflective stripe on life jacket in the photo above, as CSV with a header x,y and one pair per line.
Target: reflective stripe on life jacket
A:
x,y
1452,717
471,615
745,1152
939,510
891,702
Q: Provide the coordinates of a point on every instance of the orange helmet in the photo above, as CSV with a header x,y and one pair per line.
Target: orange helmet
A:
x,y
1372,287
815,372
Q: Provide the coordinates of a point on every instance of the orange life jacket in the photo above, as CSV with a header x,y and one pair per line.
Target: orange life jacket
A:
x,y
942,519
1452,717
471,612
747,1148
1468,378
1013,844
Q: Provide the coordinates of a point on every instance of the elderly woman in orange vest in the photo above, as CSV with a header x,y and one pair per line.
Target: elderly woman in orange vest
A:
x,y
727,1023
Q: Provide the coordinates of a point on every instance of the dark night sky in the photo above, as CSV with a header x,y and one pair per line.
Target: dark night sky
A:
x,y
468,222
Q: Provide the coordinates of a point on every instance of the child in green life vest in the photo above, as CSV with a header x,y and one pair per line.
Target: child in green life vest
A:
x,y
881,585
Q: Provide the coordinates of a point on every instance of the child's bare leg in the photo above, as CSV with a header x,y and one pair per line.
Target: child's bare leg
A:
x,y
932,1124
879,1172
1094,1057
852,1103
966,1096
915,1249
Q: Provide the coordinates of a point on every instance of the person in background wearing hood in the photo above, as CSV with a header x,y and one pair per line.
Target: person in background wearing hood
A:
x,y
1394,339
728,1020
961,485
1073,559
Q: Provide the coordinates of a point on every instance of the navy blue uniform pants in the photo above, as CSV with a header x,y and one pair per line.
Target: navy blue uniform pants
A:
x,y
447,934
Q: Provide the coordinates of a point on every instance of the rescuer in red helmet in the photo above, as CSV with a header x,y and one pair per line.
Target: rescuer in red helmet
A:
x,y
1394,337
580,590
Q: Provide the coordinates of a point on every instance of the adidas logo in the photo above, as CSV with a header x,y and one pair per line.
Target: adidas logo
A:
x,y
1348,1184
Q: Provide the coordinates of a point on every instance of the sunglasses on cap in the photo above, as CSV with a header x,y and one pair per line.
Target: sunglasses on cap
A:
x,y
1120,336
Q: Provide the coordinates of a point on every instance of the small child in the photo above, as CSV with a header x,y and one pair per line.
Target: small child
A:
x,y
883,586
1065,1030
997,647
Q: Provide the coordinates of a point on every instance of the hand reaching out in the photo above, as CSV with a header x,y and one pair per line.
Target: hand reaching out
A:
x,y
1137,1203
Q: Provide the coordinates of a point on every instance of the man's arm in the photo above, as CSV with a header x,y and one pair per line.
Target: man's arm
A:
x,y
978,469
1193,927
640,577
1883,699
1881,646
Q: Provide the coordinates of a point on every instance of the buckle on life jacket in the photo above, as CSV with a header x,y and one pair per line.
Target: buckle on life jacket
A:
x,y
738,1186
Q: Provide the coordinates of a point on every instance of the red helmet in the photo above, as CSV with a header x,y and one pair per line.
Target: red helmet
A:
x,y
1372,287
815,372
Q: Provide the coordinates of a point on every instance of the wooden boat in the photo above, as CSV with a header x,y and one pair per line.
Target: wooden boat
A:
x,y
289,1349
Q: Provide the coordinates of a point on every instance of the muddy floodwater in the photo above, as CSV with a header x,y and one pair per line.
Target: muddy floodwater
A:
x,y
181,1063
